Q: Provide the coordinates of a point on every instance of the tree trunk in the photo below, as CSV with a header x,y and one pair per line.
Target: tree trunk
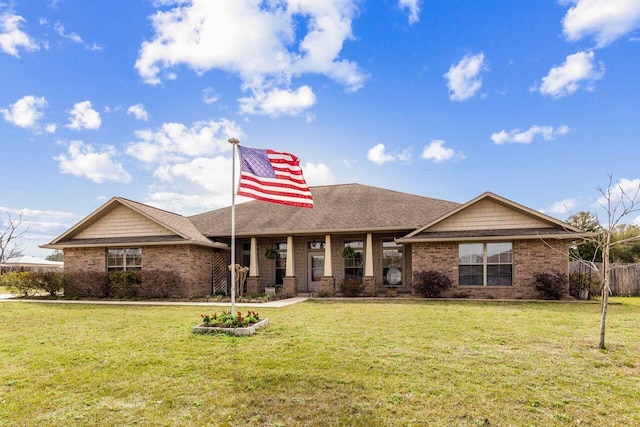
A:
x,y
605,288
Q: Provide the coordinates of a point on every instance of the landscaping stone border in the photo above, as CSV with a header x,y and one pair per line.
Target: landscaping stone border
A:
x,y
249,330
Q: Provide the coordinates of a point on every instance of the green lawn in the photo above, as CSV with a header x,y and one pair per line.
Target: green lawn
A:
x,y
380,363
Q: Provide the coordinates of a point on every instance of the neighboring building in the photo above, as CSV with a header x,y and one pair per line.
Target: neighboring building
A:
x,y
490,247
31,263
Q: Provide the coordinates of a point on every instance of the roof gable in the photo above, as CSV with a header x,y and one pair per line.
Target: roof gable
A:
x,y
491,215
121,220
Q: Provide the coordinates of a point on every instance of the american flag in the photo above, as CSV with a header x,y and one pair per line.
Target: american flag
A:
x,y
274,177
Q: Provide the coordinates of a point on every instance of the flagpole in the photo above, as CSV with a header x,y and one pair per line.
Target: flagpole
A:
x,y
234,142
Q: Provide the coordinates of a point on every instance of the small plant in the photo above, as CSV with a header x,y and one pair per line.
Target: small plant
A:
x,y
227,320
430,283
348,252
351,287
270,253
551,286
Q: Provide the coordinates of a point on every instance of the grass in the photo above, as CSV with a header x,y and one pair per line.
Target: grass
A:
x,y
381,363
5,290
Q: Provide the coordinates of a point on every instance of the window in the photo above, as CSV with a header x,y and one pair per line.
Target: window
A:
x,y
246,254
281,262
124,259
391,263
354,266
485,264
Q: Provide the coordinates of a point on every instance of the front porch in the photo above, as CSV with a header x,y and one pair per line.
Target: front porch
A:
x,y
318,264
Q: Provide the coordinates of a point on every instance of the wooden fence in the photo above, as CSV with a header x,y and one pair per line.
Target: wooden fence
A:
x,y
625,278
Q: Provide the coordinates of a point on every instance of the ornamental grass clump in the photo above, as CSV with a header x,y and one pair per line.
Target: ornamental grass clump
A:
x,y
227,320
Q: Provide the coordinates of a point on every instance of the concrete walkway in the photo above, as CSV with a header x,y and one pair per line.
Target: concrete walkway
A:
x,y
270,304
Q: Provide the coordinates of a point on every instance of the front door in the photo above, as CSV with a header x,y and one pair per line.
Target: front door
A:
x,y
316,270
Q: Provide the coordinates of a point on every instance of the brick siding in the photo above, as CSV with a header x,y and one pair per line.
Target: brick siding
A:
x,y
529,257
198,266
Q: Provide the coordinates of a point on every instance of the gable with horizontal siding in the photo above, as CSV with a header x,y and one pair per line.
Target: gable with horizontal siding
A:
x,y
123,222
488,214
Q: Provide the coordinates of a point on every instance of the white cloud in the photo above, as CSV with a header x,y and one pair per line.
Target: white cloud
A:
x,y
83,161
212,174
278,101
138,112
51,128
605,20
414,9
317,174
548,133
463,79
379,156
577,71
562,207
437,152
190,204
209,96
175,142
12,38
83,116
288,38
25,112
59,28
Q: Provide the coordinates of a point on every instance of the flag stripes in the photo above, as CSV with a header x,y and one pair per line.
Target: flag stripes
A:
x,y
273,177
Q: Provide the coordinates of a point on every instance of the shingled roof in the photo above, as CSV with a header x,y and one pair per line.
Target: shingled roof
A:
x,y
337,209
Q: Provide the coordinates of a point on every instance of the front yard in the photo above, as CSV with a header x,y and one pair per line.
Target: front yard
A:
x,y
381,363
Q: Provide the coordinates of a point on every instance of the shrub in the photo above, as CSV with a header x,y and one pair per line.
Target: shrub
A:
x,y
351,287
20,282
88,283
551,285
579,282
124,283
430,283
158,284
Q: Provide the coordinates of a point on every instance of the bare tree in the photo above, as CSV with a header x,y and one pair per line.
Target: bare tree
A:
x,y
10,232
618,200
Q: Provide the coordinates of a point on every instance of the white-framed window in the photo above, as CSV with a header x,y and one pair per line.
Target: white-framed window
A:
x,y
124,259
281,262
354,265
391,263
485,264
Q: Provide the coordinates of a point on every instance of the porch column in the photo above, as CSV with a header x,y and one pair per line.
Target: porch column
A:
x,y
328,282
254,284
368,257
289,282
253,259
368,280
328,268
290,258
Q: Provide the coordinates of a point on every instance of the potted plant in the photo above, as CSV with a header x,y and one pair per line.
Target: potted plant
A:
x,y
270,253
348,252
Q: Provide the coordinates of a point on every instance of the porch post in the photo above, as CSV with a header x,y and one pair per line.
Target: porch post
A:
x,y
368,280
289,282
328,282
368,257
328,268
254,269
254,284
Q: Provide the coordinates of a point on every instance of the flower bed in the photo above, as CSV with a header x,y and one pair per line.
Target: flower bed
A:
x,y
229,324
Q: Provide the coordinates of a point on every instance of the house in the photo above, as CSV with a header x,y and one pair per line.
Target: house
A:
x,y
31,263
490,247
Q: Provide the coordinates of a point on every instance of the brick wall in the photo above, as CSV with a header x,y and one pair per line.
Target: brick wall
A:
x,y
85,259
197,266
529,257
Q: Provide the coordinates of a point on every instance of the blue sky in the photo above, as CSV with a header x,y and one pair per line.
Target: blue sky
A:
x,y
536,101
